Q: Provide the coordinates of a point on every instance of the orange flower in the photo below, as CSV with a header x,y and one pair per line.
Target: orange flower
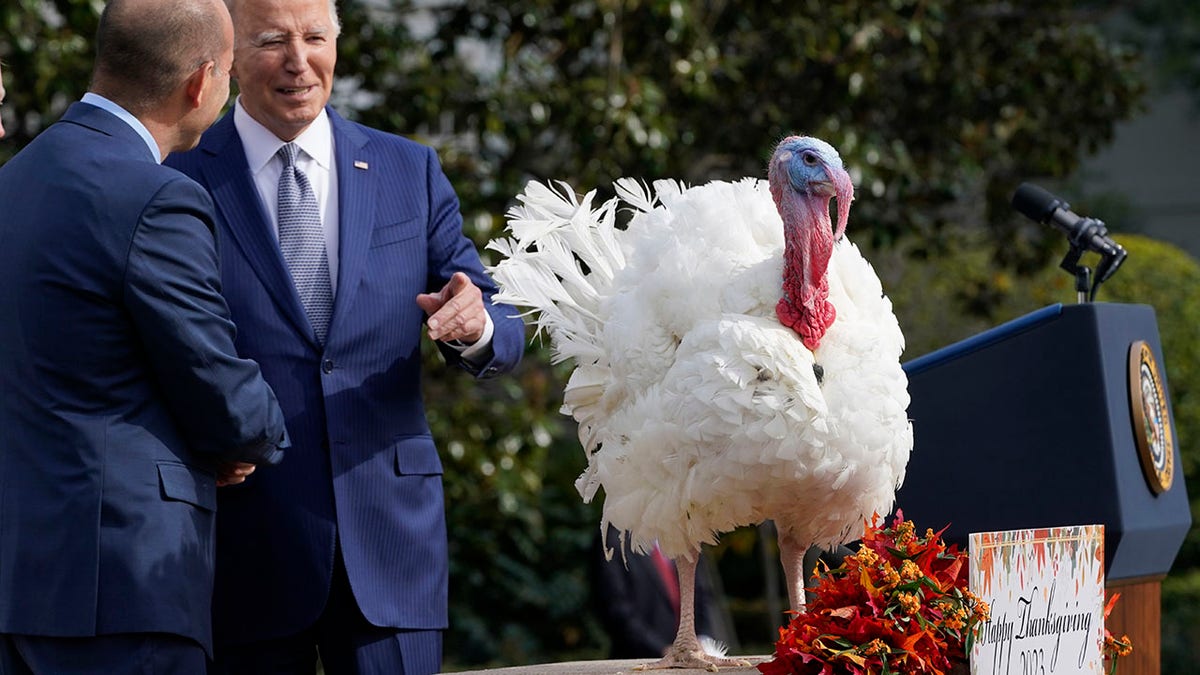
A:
x,y
1115,647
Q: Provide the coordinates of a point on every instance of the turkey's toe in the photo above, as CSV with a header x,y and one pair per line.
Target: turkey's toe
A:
x,y
693,658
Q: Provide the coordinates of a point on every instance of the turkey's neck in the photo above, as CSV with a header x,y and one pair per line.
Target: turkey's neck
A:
x,y
808,244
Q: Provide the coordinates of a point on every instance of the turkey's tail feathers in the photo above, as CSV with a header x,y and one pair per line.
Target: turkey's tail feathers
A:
x,y
637,195
562,258
559,264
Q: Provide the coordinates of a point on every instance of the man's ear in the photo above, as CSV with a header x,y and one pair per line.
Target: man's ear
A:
x,y
196,84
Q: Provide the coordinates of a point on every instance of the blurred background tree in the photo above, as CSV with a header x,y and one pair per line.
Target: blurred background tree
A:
x,y
939,109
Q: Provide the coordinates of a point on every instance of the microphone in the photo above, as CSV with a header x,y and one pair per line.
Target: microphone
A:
x,y
1042,207
1085,234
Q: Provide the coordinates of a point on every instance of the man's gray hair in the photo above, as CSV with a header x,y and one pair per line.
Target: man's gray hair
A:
x,y
333,15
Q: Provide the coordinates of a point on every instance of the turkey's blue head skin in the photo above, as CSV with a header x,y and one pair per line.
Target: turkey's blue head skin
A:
x,y
814,168
804,174
806,158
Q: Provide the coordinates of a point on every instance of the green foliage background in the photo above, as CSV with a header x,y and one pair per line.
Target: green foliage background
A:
x,y
938,107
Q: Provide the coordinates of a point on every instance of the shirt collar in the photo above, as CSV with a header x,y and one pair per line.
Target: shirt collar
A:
x,y
125,116
261,145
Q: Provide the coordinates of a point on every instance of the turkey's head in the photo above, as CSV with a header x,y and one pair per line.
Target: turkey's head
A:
x,y
804,175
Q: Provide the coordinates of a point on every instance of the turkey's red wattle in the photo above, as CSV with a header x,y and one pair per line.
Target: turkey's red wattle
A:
x,y
808,245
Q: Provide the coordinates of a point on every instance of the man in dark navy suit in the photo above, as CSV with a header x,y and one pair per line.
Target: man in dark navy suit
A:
x,y
339,243
123,403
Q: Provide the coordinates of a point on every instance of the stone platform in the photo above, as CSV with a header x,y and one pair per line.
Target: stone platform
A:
x,y
623,667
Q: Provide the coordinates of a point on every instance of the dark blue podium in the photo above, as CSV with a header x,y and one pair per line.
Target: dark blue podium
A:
x,y
1035,424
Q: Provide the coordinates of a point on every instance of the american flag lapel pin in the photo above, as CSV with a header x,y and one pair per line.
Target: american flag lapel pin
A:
x,y
359,164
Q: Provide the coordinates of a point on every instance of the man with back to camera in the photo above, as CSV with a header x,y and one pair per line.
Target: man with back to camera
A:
x,y
338,242
124,403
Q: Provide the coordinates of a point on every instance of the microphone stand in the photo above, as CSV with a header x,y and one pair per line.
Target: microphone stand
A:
x,y
1083,274
1085,287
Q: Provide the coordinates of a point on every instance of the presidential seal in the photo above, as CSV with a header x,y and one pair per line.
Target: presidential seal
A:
x,y
1151,418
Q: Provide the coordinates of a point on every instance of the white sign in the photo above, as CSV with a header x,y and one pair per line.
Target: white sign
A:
x,y
1046,592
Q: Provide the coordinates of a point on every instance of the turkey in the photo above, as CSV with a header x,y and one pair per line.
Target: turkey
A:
x,y
736,359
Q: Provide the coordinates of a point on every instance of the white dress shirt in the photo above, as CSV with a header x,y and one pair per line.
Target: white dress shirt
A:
x,y
126,117
315,159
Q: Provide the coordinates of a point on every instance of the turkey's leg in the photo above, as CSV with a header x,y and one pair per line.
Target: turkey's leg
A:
x,y
686,652
791,556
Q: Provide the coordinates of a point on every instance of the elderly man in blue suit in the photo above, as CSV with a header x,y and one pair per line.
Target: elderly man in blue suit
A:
x,y
124,404
338,243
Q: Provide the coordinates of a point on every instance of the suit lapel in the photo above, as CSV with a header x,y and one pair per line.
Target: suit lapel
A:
x,y
356,204
228,178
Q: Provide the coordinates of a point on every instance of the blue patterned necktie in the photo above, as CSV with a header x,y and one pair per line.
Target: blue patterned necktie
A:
x,y
302,241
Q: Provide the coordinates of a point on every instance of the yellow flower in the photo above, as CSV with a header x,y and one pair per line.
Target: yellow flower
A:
x,y
866,556
954,618
909,570
909,602
983,611
890,576
874,647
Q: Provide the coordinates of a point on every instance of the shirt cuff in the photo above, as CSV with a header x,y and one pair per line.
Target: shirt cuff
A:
x,y
481,346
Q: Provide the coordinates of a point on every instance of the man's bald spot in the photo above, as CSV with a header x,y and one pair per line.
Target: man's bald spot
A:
x,y
146,48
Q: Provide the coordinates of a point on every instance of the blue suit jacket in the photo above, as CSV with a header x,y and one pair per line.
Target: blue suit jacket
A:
x,y
120,388
363,469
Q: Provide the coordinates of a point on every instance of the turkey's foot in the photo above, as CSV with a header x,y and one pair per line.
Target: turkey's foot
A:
x,y
692,656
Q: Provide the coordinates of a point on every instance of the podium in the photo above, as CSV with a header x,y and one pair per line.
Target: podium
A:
x,y
1061,417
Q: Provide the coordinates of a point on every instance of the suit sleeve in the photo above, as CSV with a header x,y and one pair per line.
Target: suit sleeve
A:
x,y
173,294
452,251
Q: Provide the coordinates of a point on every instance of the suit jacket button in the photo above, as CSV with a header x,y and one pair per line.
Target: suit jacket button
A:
x,y
327,366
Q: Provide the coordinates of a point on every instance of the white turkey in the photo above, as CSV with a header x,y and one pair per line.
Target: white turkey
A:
x,y
736,359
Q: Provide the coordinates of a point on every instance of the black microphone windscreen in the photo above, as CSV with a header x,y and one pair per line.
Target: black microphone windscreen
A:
x,y
1035,203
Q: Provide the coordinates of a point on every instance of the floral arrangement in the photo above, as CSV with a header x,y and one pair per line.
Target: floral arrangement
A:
x,y
899,605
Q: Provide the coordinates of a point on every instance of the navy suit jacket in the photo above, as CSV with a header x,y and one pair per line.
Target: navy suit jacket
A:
x,y
120,388
363,470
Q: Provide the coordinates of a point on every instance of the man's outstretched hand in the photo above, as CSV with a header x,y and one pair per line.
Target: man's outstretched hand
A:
x,y
456,312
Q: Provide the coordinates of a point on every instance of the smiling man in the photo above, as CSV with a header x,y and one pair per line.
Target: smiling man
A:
x,y
338,244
